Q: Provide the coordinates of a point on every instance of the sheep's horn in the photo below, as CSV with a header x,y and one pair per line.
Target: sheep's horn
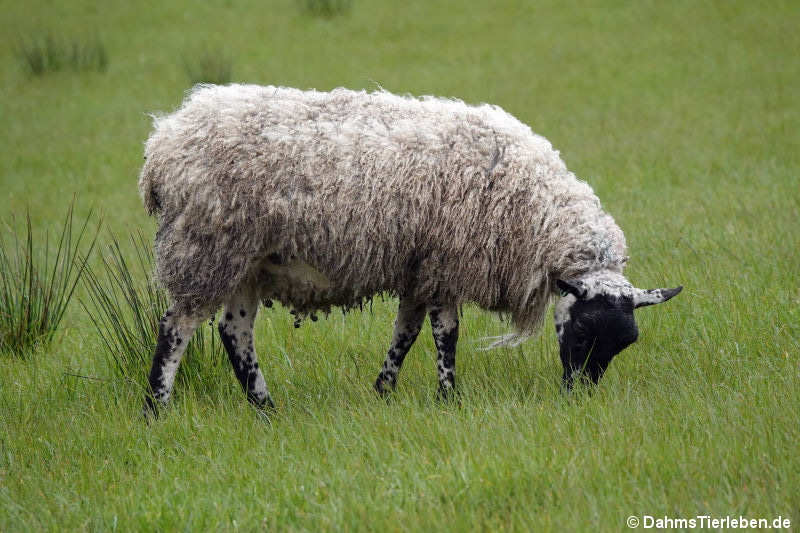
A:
x,y
644,297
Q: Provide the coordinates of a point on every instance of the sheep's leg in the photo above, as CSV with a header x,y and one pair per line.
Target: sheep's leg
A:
x,y
444,322
236,331
174,333
410,316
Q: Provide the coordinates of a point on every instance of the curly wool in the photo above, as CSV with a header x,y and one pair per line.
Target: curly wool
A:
x,y
425,198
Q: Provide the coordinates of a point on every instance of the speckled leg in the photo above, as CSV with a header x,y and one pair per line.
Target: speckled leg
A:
x,y
410,316
174,333
444,322
236,331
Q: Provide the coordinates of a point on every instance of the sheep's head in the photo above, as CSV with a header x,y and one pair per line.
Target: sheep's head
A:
x,y
594,321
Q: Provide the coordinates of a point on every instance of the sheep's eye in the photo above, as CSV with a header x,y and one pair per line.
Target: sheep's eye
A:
x,y
580,329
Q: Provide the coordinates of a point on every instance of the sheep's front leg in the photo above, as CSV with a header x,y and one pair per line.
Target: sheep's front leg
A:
x,y
410,316
174,333
236,331
444,322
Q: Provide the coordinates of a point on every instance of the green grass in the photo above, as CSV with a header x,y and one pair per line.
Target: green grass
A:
x,y
325,8
37,280
46,53
683,117
208,65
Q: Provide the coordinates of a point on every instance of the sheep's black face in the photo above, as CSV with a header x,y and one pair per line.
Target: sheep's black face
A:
x,y
591,332
594,322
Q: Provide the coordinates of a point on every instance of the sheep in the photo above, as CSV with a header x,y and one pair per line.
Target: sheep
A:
x,y
323,199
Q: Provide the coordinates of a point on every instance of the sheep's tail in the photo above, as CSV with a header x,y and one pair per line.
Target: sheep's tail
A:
x,y
155,163
148,190
150,176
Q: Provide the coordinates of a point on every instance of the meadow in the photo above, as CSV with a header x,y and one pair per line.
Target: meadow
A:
x,y
683,116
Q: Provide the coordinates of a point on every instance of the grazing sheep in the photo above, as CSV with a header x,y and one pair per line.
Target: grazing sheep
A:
x,y
321,199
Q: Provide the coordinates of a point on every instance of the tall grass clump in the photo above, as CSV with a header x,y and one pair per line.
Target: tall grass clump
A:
x,y
42,54
125,306
37,280
209,65
325,8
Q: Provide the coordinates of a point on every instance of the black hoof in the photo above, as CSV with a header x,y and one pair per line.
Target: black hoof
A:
x,y
150,409
264,405
448,395
382,388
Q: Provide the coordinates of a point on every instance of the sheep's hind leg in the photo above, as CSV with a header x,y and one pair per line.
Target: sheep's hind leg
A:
x,y
444,322
410,316
236,331
174,333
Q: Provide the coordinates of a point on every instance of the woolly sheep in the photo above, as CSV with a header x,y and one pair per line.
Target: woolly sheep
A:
x,y
321,199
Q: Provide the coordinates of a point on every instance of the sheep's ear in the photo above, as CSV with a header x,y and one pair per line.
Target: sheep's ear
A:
x,y
575,287
643,297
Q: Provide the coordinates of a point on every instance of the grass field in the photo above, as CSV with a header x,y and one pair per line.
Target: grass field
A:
x,y
684,117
